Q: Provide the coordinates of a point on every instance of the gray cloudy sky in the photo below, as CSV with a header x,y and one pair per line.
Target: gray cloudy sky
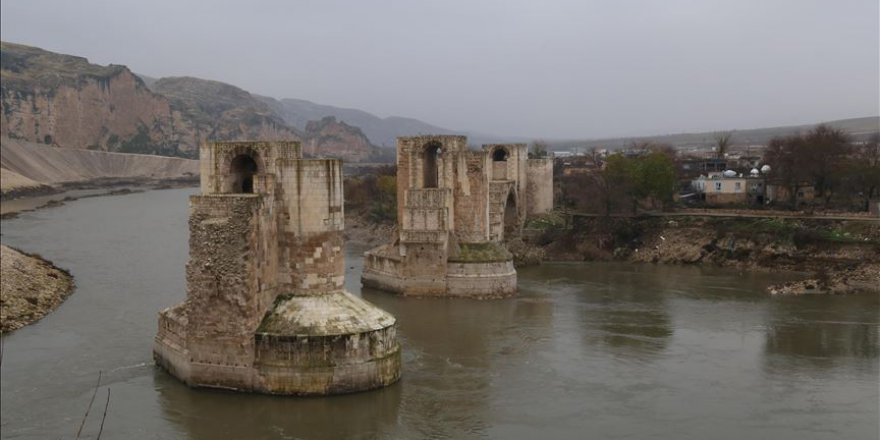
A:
x,y
553,69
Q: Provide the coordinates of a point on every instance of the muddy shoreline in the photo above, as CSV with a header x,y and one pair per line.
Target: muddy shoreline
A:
x,y
838,256
32,287
30,199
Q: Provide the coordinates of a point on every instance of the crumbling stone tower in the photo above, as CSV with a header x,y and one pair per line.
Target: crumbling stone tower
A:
x,y
266,308
455,208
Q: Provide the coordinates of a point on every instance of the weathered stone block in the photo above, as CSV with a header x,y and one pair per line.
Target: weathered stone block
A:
x,y
266,309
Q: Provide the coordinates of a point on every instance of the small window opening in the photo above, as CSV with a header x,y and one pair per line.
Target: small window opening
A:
x,y
243,169
499,155
430,165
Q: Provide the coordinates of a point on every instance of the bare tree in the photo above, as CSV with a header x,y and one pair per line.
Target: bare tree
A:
x,y
723,139
862,173
539,149
817,158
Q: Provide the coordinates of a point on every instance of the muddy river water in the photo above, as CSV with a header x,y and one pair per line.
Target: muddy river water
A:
x,y
584,351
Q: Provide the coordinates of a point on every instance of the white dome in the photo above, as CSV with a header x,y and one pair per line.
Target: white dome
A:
x,y
730,173
754,172
765,169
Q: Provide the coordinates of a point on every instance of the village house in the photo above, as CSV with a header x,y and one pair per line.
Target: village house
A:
x,y
778,192
729,188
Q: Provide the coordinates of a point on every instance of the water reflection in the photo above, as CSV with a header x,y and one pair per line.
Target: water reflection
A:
x,y
210,414
585,350
822,332
622,311
449,345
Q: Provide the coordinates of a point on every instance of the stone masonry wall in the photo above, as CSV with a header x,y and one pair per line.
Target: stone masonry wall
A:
x,y
216,158
482,280
539,187
310,195
222,309
318,365
410,164
471,209
499,193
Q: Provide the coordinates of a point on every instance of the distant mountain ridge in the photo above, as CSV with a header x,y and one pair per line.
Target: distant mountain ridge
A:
x,y
857,128
381,131
66,101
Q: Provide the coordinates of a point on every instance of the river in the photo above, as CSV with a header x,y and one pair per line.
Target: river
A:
x,y
585,350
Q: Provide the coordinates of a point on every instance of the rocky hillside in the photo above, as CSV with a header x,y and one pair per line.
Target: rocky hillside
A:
x,y
330,138
211,110
65,101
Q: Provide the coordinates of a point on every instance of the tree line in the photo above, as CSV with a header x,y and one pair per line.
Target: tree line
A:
x,y
844,174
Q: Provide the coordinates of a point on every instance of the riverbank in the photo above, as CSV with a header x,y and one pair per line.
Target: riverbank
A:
x,y
30,288
59,194
842,255
34,174
361,230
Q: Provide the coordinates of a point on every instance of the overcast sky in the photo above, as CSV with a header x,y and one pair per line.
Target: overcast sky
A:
x,y
552,69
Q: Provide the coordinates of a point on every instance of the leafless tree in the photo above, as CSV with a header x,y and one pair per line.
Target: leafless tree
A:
x,y
723,139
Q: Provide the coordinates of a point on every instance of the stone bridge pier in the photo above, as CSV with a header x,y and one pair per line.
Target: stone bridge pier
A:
x,y
456,207
266,309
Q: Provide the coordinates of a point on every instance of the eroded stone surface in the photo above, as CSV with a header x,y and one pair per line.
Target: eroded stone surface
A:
x,y
266,309
456,208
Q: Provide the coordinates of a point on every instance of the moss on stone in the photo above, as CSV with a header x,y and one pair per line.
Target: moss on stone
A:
x,y
482,252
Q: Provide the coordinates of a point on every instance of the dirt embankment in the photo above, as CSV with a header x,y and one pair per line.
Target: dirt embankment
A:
x,y
361,230
30,287
843,256
31,169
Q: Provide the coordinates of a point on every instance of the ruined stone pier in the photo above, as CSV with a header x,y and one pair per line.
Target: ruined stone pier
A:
x,y
266,309
455,209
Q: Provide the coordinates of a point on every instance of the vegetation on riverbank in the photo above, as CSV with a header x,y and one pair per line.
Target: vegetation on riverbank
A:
x,y
30,288
832,250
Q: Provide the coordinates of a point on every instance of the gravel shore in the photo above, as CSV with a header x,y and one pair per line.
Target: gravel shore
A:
x,y
30,288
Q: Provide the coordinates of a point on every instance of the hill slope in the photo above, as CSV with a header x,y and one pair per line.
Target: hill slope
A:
x,y
380,131
211,110
857,128
66,101
48,165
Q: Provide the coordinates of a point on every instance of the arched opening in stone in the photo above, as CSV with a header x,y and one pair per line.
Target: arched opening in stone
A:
x,y
430,165
499,155
510,216
243,169
499,164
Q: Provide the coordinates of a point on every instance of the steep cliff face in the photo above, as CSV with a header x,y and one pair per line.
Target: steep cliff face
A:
x,y
210,110
330,138
65,101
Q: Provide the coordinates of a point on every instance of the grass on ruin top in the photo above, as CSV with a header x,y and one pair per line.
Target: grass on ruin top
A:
x,y
482,252
551,220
